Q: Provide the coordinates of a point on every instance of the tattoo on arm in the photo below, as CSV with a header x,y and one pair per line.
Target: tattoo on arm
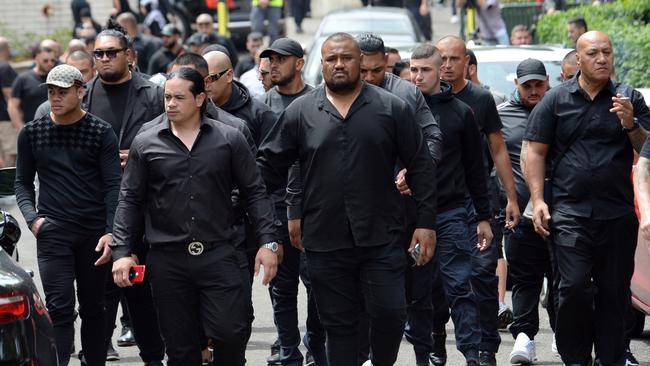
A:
x,y
637,138
522,157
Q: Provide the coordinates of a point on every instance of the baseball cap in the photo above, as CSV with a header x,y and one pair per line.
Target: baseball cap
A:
x,y
169,30
530,69
64,76
285,47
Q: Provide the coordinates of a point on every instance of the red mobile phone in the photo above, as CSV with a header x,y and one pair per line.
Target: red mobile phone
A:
x,y
136,273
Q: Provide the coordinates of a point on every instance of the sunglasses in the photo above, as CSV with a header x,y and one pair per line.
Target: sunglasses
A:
x,y
218,76
206,23
110,53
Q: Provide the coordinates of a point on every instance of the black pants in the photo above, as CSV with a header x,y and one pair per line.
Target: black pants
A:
x,y
529,261
340,279
595,261
63,256
205,290
298,10
142,316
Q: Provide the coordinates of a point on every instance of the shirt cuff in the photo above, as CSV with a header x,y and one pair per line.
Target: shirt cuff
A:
x,y
426,222
294,212
267,238
120,251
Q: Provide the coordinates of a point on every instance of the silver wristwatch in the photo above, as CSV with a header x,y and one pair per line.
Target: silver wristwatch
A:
x,y
272,246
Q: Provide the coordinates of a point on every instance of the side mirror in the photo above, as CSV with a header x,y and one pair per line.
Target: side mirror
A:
x,y
7,179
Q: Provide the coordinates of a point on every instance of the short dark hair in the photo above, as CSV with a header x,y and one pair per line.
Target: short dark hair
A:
x,y
192,59
425,51
339,37
570,58
193,76
216,47
579,22
80,55
401,65
370,44
113,29
37,49
391,50
255,36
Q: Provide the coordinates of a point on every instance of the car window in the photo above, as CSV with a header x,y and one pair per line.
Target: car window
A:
x,y
500,76
371,25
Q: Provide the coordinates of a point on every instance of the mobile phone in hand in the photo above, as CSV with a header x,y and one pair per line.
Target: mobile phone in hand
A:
x,y
136,273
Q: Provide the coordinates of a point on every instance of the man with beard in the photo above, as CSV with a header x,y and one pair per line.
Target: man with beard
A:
x,y
347,136
26,91
171,49
264,74
460,173
286,62
527,252
126,101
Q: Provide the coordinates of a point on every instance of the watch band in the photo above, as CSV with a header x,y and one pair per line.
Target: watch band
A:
x,y
635,125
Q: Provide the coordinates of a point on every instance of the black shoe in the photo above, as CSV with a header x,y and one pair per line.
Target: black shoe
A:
x,y
273,359
630,360
472,363
309,359
154,363
487,358
126,339
111,353
505,316
439,355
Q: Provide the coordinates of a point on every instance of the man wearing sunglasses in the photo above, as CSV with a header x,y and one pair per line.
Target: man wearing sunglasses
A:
x,y
126,101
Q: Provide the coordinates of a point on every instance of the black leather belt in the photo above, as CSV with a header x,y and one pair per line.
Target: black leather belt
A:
x,y
193,248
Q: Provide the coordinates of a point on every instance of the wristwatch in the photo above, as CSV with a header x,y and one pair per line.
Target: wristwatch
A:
x,y
272,246
635,125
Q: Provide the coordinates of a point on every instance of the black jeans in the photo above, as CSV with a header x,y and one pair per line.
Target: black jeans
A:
x,y
298,10
340,279
142,315
595,261
529,261
284,294
206,292
63,256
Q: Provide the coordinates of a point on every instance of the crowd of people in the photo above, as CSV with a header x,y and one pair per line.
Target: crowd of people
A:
x,y
392,192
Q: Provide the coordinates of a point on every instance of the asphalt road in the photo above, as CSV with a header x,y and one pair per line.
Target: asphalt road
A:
x,y
263,327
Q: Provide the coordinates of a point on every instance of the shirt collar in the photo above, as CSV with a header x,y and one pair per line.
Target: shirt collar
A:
x,y
574,86
164,126
325,104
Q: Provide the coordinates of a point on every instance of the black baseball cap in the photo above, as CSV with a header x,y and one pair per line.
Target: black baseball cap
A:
x,y
284,47
531,69
169,30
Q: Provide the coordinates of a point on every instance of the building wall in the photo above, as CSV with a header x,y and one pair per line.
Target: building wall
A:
x,y
23,16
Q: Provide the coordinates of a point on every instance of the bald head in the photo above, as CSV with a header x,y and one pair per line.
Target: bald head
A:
x,y
53,45
451,41
129,23
455,61
219,81
204,23
595,56
5,51
76,45
217,60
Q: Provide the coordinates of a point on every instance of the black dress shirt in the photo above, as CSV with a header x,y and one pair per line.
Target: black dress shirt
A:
x,y
182,195
593,179
347,167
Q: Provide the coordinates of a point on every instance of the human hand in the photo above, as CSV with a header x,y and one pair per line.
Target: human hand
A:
x,y
269,260
484,235
541,218
624,110
124,157
103,245
36,225
513,215
295,234
400,183
427,240
121,268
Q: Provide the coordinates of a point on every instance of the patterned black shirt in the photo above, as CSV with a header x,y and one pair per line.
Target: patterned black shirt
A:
x,y
78,167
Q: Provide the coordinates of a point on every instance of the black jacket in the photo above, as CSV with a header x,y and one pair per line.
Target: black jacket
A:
x,y
257,115
145,102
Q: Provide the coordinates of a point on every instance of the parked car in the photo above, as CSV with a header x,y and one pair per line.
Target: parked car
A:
x,y
26,332
396,27
497,65
184,13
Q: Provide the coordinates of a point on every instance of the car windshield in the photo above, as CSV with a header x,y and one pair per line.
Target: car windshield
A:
x,y
500,76
392,25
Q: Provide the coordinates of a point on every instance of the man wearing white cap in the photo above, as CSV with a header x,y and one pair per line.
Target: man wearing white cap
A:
x,y
76,157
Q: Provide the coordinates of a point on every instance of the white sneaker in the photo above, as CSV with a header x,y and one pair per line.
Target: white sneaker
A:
x,y
523,351
367,363
454,19
554,347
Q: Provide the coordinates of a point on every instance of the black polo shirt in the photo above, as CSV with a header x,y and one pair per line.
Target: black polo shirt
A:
x,y
593,178
347,167
178,195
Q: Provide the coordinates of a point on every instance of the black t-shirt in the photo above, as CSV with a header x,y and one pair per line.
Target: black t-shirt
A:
x,y
27,87
109,102
160,61
279,102
7,77
244,65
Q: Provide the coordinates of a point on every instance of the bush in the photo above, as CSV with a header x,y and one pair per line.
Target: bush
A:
x,y
627,22
21,42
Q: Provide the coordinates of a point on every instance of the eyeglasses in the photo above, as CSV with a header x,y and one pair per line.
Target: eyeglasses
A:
x,y
203,23
110,53
218,76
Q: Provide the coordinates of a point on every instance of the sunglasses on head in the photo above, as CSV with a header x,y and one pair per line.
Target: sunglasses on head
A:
x,y
110,53
217,76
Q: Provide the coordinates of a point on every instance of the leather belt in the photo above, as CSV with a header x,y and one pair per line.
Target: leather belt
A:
x,y
194,248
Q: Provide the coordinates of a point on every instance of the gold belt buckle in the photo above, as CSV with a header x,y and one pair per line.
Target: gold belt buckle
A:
x,y
195,248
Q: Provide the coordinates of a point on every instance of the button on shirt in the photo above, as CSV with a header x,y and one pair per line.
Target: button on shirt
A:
x,y
346,166
592,179
180,195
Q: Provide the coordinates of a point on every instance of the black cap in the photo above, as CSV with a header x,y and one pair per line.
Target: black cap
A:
x,y
285,47
472,57
198,38
531,69
169,30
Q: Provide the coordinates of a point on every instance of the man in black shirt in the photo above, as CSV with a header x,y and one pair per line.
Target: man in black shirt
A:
x,y
205,25
459,173
171,49
484,280
347,136
145,46
126,101
594,225
528,253
75,155
254,41
26,91
8,133
285,62
176,189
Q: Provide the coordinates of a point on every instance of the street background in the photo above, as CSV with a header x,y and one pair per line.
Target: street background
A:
x,y
263,328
